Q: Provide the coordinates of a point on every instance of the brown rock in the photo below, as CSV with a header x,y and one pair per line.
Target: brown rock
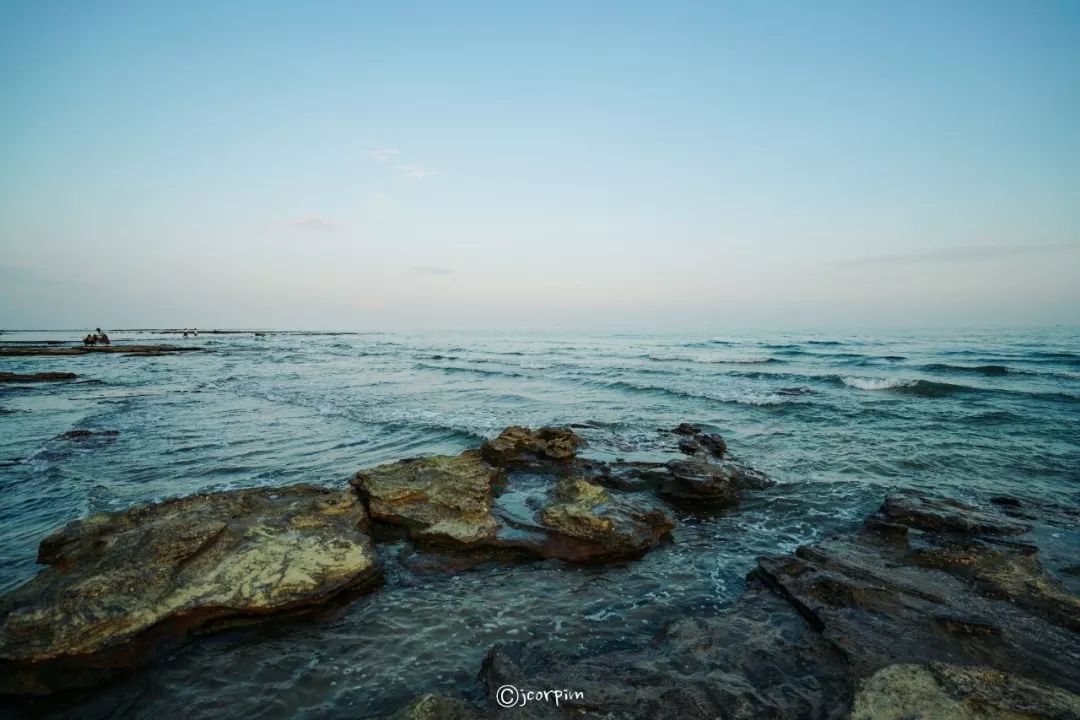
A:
x,y
122,587
518,446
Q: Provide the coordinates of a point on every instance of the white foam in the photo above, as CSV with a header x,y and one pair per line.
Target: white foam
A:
x,y
865,383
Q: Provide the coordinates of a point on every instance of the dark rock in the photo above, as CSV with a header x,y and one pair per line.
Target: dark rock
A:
x,y
80,434
695,480
435,707
520,447
9,377
97,349
122,587
1006,501
686,429
941,515
920,614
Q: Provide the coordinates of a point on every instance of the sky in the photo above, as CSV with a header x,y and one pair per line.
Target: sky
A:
x,y
554,165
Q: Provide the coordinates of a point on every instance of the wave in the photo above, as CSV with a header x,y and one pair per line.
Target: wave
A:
x,y
675,357
737,399
988,370
923,388
450,369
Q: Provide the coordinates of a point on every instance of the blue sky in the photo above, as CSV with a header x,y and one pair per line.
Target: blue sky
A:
x,y
539,165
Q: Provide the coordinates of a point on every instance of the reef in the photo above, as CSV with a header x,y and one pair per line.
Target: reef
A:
x,y
50,350
9,377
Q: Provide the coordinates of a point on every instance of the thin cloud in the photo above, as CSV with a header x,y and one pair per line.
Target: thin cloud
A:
x,y
433,270
415,170
385,155
392,158
968,253
313,223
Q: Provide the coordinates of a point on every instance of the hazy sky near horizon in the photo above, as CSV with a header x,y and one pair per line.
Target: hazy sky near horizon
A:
x,y
554,165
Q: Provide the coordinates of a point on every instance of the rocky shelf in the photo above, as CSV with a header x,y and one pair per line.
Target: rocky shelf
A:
x,y
933,609
10,377
49,350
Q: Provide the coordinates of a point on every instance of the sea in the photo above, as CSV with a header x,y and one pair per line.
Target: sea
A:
x,y
838,420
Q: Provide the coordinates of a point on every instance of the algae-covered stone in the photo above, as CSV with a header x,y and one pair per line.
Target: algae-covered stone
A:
x,y
607,527
440,498
122,586
952,692
518,446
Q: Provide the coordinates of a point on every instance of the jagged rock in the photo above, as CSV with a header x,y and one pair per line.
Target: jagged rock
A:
x,y
607,527
10,377
122,587
686,429
926,609
443,498
465,503
518,446
714,483
951,692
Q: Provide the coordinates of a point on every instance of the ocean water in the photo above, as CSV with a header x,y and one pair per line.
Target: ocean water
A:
x,y
837,420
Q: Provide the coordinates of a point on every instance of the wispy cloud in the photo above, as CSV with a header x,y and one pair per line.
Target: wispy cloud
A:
x,y
433,270
393,158
385,155
313,223
415,170
966,253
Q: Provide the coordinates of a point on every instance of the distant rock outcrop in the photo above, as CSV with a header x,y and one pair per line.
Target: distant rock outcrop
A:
x,y
9,377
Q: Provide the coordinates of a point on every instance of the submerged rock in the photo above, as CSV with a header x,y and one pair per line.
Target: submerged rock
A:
x,y
518,446
122,587
80,434
926,612
10,377
694,481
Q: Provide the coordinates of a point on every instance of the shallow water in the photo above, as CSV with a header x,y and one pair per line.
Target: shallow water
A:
x,y
837,420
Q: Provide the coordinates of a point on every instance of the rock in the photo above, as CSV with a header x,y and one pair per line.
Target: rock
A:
x,y
440,499
517,446
696,442
952,692
435,707
97,349
80,434
941,515
464,503
10,377
687,481
598,525
122,587
923,611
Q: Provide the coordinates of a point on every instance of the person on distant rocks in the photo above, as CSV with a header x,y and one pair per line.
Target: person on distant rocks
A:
x,y
102,338
185,333
89,339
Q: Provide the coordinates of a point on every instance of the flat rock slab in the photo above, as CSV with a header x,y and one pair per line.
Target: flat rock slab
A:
x,y
9,377
926,612
121,587
98,349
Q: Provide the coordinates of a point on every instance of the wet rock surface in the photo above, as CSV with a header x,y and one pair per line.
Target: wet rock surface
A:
x,y
513,495
929,610
519,447
10,377
123,587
